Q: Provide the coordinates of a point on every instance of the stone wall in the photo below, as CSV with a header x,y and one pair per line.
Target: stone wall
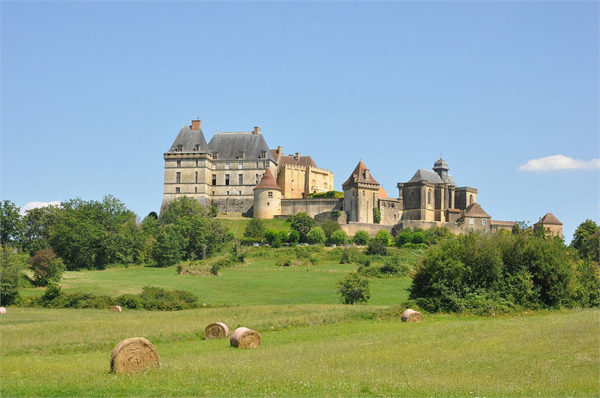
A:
x,y
232,205
352,227
312,207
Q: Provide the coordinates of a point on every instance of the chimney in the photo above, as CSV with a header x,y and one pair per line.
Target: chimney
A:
x,y
279,150
256,130
297,157
367,174
196,124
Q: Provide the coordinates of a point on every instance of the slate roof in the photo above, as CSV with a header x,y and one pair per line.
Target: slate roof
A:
x,y
190,141
303,161
430,176
229,145
440,164
549,218
267,181
474,210
358,175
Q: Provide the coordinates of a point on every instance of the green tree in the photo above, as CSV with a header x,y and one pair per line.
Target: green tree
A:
x,y
293,237
403,238
329,226
376,215
361,237
338,237
47,267
384,237
302,223
170,246
585,240
316,236
37,226
255,229
182,207
10,224
11,271
354,289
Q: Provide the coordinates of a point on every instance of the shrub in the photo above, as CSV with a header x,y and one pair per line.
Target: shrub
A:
x,y
46,267
403,238
338,237
293,237
302,223
11,271
375,247
316,236
384,237
271,236
255,229
418,237
376,215
361,237
354,289
329,227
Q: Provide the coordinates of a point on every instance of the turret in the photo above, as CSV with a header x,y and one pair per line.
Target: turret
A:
x,y
267,197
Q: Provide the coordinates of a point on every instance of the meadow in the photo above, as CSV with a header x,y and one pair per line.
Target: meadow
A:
x,y
311,344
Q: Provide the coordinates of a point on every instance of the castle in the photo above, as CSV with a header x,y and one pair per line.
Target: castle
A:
x,y
237,172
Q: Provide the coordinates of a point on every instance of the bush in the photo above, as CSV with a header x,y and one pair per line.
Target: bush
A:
x,y
329,227
46,267
403,238
376,215
338,237
293,237
354,289
418,237
11,271
375,247
255,229
384,237
361,238
316,236
302,223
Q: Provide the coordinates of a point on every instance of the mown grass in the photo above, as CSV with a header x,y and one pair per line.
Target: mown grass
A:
x,y
325,350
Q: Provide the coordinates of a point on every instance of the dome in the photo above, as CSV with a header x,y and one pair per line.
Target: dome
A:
x,y
441,164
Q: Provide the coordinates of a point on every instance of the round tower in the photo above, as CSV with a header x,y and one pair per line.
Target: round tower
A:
x,y
441,168
267,197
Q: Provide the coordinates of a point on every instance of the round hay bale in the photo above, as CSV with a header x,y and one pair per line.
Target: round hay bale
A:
x,y
133,355
245,338
217,330
411,315
2,310
116,308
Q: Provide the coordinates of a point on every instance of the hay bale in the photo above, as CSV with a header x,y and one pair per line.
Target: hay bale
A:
x,y
411,315
2,310
245,338
116,308
217,330
133,355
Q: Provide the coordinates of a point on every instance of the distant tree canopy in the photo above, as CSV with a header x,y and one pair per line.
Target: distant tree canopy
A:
x,y
302,223
586,240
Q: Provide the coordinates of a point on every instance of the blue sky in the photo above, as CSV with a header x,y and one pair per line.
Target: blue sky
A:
x,y
93,93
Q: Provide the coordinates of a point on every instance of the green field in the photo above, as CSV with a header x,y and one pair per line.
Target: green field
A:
x,y
312,345
307,350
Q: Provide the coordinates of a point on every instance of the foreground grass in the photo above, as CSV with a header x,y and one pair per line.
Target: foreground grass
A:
x,y
325,350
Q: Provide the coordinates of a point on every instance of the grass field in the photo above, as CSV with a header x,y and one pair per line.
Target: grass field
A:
x,y
307,350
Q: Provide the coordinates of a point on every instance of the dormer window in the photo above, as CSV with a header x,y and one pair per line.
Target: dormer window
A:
x,y
215,155
197,147
263,154
240,155
179,148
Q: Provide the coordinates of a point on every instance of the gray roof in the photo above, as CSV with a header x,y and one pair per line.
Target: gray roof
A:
x,y
430,176
440,164
229,145
190,141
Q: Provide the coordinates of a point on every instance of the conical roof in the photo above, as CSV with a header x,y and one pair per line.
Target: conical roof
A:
x,y
549,218
267,181
359,175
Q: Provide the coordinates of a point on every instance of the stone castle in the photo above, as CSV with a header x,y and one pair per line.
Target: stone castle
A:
x,y
237,172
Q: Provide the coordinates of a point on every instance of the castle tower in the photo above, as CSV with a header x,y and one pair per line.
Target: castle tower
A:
x,y
550,224
267,197
361,195
441,168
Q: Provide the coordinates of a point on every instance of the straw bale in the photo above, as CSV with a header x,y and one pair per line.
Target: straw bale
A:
x,y
245,338
217,330
116,308
133,355
2,310
411,315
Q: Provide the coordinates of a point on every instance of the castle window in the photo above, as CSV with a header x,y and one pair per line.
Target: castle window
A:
x,y
196,176
264,165
263,154
428,197
241,179
215,155
269,194
179,148
213,193
196,189
241,165
227,166
196,147
179,163
483,221
214,179
240,155
227,180
177,190
214,166
196,163
257,178
227,193
178,178
470,199
240,193
471,221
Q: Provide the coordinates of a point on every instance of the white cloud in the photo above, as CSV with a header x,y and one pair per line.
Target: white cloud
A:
x,y
559,162
36,205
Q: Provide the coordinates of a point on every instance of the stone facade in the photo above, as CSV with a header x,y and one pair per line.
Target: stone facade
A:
x,y
299,175
550,224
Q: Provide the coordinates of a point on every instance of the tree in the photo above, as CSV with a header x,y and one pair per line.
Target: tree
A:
x,y
329,226
181,207
46,267
11,270
585,240
169,248
255,229
403,238
10,223
293,237
354,289
338,237
302,223
361,237
316,236
37,226
384,237
376,215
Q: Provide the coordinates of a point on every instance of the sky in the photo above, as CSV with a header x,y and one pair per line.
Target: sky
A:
x,y
93,94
